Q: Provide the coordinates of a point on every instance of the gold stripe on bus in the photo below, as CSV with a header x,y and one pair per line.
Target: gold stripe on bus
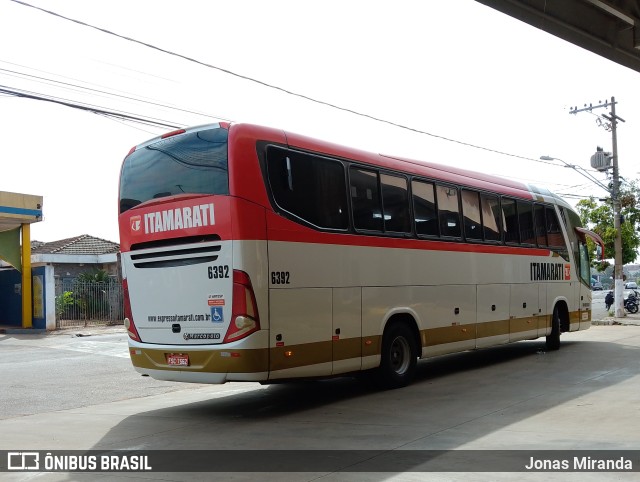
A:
x,y
347,348
293,356
214,361
575,317
492,328
371,345
518,325
546,321
448,334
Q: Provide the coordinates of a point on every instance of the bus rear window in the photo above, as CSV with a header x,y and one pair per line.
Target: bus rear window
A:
x,y
191,163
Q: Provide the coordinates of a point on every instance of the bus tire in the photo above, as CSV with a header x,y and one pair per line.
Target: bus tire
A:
x,y
399,357
553,340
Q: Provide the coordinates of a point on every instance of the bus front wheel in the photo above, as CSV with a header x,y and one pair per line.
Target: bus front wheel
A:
x,y
399,357
553,340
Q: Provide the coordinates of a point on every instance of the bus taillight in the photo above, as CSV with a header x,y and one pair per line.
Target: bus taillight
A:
x,y
128,318
244,318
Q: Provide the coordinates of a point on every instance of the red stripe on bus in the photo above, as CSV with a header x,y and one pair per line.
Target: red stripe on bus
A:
x,y
238,219
282,229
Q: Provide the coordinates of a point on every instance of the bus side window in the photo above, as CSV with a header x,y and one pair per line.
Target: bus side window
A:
x,y
540,225
471,214
424,208
554,234
585,271
510,217
490,217
448,211
395,200
525,219
365,200
309,187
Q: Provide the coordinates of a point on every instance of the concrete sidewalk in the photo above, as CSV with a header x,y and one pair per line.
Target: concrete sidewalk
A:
x,y
630,319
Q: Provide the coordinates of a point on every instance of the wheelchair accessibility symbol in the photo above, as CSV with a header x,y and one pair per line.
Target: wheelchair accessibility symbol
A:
x,y
217,314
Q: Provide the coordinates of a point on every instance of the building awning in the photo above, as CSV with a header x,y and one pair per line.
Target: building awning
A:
x,y
16,210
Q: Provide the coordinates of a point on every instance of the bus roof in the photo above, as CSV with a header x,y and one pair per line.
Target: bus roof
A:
x,y
423,168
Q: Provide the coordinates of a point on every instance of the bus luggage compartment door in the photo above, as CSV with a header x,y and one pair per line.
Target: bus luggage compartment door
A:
x,y
300,325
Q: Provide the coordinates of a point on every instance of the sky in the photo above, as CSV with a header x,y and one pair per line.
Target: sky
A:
x,y
452,73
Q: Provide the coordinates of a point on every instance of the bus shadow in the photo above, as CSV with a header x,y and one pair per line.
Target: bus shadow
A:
x,y
454,401
301,395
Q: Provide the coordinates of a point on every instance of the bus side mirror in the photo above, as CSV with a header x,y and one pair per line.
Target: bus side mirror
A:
x,y
599,252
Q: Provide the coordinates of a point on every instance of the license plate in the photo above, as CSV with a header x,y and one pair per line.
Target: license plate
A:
x,y
177,359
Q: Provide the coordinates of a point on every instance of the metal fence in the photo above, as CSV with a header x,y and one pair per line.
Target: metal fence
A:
x,y
83,303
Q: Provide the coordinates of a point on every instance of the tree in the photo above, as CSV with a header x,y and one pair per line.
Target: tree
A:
x,y
95,276
598,216
63,303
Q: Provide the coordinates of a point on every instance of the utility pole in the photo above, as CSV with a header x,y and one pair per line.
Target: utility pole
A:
x,y
615,196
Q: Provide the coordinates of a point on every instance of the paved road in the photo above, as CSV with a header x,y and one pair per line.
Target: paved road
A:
x,y
63,371
584,396
598,308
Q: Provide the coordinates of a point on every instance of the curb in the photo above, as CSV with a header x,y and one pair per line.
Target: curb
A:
x,y
72,330
23,331
627,321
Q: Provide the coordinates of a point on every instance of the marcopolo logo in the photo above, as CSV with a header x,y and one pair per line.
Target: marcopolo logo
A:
x,y
186,217
201,336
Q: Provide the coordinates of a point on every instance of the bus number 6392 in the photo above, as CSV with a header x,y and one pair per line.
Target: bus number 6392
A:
x,y
279,277
217,272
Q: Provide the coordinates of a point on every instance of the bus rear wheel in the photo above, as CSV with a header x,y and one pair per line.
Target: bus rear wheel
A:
x,y
399,357
553,340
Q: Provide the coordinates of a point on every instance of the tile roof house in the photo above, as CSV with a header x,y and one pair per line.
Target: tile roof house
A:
x,y
72,256
55,265
78,245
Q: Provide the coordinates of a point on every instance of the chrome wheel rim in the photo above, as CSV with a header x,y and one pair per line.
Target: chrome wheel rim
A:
x,y
400,355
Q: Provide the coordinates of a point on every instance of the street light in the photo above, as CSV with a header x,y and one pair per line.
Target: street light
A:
x,y
578,169
614,193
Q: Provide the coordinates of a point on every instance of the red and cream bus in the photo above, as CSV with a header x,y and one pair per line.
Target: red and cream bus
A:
x,y
253,254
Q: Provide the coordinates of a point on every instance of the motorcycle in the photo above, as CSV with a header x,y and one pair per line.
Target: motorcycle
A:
x,y
630,303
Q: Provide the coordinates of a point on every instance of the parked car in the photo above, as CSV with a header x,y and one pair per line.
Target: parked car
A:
x,y
596,286
631,285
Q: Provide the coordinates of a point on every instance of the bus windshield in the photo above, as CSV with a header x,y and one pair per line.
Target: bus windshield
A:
x,y
190,163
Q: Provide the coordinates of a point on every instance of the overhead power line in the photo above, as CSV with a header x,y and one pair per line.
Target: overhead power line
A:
x,y
77,87
121,116
280,89
87,107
